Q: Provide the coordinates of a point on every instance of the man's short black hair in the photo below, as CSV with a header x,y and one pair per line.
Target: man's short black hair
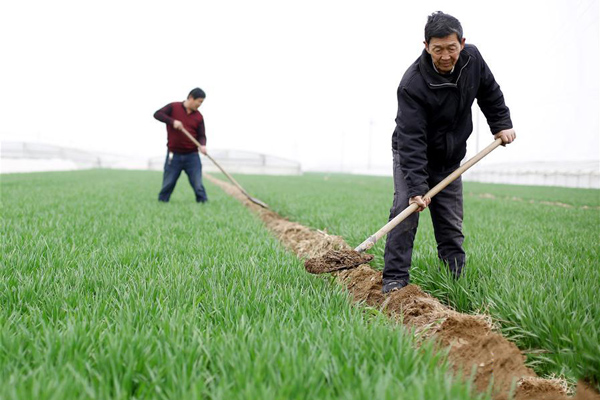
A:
x,y
197,93
440,25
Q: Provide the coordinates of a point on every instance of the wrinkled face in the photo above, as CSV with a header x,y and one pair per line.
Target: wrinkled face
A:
x,y
445,51
194,104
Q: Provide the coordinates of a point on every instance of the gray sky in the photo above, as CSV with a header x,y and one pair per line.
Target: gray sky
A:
x,y
308,80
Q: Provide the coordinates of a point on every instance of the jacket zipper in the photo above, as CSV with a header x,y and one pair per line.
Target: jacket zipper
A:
x,y
439,85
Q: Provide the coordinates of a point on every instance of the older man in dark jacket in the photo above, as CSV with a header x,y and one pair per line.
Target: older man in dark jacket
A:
x,y
432,127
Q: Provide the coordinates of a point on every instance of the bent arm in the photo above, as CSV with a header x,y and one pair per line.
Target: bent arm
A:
x,y
164,114
201,134
491,101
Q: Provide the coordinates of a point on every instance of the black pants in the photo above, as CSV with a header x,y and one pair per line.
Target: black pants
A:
x,y
446,210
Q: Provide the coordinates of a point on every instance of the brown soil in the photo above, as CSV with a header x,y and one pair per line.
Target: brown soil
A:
x,y
474,348
335,260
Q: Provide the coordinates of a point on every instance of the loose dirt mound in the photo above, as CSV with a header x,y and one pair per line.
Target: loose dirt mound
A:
x,y
304,242
335,260
474,349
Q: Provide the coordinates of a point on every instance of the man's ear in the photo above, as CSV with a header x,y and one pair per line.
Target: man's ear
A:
x,y
462,44
426,46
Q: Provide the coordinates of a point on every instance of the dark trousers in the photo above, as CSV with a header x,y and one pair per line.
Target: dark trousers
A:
x,y
174,164
446,210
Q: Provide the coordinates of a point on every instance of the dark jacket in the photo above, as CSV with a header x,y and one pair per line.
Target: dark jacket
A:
x,y
434,114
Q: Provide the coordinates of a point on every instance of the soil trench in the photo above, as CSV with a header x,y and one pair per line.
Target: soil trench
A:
x,y
474,348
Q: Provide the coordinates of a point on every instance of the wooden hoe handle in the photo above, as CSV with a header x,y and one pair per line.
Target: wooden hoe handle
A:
x,y
252,199
367,244
193,139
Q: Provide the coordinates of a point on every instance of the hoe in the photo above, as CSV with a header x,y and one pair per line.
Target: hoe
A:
x,y
335,260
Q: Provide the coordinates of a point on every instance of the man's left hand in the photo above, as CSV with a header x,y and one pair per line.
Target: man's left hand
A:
x,y
507,136
421,201
203,150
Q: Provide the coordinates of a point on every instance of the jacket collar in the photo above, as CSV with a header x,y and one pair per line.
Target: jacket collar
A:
x,y
435,80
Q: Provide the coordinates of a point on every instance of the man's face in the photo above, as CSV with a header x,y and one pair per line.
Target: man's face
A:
x,y
194,104
445,51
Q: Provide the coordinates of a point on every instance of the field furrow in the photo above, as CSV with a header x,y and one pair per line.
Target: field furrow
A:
x,y
532,265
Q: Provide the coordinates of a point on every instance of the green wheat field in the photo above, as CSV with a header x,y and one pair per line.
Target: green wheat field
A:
x,y
107,293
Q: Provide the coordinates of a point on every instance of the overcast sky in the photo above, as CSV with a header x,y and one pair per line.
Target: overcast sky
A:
x,y
310,80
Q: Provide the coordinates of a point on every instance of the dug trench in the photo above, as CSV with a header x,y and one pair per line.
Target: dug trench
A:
x,y
474,348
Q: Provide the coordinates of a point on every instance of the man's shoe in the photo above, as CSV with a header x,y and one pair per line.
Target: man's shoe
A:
x,y
393,285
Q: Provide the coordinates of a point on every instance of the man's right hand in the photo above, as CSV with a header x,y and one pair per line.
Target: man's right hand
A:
x,y
507,136
421,201
177,125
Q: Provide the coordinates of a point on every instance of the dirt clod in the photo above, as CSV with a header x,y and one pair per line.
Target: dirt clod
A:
x,y
335,260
